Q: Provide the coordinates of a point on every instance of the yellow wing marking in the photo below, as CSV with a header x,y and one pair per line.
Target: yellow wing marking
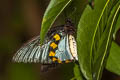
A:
x,y
57,60
52,53
57,37
67,61
53,45
54,59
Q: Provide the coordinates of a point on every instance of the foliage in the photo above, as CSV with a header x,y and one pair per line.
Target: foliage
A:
x,y
94,33
93,49
113,62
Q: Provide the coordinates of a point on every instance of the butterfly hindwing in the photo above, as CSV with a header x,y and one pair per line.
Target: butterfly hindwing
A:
x,y
63,50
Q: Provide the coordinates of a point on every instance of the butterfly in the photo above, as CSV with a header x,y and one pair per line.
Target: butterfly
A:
x,y
59,47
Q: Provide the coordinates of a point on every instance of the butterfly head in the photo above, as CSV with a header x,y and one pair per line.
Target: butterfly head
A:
x,y
69,27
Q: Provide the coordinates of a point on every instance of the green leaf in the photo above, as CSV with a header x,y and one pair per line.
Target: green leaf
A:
x,y
77,73
94,37
74,10
85,32
83,43
113,62
104,43
117,27
53,10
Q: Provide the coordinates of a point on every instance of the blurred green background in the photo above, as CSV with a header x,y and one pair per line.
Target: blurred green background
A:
x,y
20,20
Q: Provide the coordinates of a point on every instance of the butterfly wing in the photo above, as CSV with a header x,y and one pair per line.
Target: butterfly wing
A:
x,y
73,46
33,52
63,53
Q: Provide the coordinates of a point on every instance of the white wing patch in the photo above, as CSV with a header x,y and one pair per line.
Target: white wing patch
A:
x,y
73,46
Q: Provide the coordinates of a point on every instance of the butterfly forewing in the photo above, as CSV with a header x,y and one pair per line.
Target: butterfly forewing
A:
x,y
33,52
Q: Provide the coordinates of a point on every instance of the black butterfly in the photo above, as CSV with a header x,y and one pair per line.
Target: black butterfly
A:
x,y
59,47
